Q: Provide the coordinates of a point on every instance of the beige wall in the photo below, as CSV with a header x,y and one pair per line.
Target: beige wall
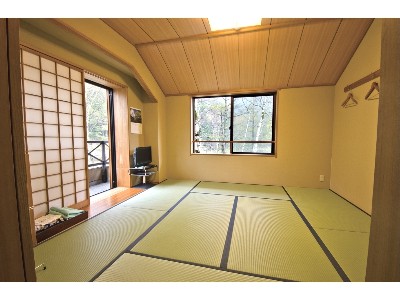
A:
x,y
162,140
354,128
304,135
150,131
154,130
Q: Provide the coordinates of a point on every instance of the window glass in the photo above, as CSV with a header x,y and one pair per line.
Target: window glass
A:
x,y
234,124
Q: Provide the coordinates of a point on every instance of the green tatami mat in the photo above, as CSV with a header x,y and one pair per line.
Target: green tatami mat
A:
x,y
239,189
350,249
135,268
195,231
81,252
162,196
269,238
325,209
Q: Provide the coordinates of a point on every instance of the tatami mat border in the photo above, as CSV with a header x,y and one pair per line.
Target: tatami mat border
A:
x,y
227,247
144,233
225,256
258,184
253,197
350,202
211,267
331,258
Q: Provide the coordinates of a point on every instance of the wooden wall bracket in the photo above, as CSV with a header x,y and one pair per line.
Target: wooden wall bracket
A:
x,y
363,80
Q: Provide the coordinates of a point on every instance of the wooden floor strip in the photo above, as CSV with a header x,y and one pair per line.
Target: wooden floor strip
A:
x,y
109,201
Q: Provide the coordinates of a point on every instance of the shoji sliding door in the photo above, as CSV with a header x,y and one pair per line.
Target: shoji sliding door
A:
x,y
54,131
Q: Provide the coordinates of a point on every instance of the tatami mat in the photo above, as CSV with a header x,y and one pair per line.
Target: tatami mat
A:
x,y
350,249
270,238
80,253
135,268
195,231
239,189
162,196
325,209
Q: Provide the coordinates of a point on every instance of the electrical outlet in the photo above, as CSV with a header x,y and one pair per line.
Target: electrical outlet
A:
x,y
322,178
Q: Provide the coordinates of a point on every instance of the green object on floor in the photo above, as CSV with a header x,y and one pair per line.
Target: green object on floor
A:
x,y
81,252
195,231
350,249
270,238
325,209
135,268
65,212
239,189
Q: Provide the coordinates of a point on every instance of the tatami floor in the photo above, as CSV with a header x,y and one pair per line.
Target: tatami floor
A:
x,y
183,230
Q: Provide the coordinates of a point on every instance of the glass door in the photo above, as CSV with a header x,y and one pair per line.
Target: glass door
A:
x,y
100,137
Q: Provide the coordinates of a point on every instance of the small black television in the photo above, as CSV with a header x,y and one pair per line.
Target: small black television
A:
x,y
142,156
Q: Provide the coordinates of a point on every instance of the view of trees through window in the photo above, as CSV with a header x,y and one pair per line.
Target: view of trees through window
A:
x,y
96,119
245,122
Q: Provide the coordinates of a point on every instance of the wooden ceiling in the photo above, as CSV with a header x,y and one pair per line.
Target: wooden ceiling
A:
x,y
185,57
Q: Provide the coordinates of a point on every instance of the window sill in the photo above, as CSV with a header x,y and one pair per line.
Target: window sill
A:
x,y
235,154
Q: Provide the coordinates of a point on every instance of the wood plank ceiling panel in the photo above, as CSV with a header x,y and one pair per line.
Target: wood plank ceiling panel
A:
x,y
348,38
293,56
201,60
158,29
175,57
275,21
225,53
156,64
253,49
207,25
314,45
283,43
266,21
129,30
188,26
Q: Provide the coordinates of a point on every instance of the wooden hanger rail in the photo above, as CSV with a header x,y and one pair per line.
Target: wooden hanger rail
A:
x,y
363,80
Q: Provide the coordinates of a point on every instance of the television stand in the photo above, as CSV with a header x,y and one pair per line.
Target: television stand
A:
x,y
143,171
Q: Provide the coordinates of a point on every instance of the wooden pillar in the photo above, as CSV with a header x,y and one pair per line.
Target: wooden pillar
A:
x,y
121,115
384,243
16,252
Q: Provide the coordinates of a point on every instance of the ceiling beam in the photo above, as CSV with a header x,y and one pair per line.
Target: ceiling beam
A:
x,y
228,32
136,74
225,92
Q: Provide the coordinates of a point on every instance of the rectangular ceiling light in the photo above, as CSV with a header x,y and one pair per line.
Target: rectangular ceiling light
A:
x,y
221,23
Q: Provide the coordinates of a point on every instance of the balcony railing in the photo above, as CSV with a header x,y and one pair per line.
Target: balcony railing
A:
x,y
97,156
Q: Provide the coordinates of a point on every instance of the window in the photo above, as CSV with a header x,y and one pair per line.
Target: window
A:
x,y
240,124
100,137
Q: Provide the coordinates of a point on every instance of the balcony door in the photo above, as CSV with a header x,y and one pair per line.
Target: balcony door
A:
x,y
100,138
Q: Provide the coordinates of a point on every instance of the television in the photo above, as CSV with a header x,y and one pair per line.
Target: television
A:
x,y
142,156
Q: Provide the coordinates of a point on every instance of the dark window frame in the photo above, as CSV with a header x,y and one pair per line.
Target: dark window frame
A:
x,y
272,142
112,158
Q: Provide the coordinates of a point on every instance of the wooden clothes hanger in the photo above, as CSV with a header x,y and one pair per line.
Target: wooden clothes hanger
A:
x,y
349,97
374,86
